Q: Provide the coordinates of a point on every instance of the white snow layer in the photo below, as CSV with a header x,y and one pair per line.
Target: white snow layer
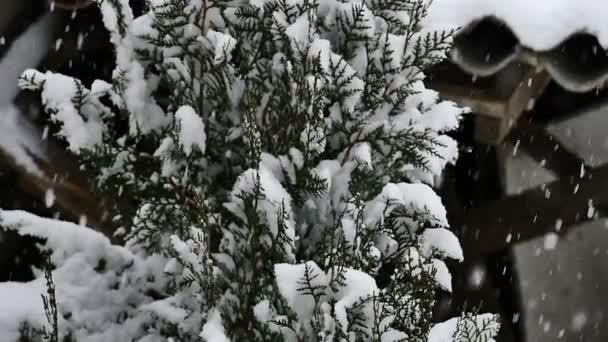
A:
x,y
191,130
213,330
77,252
81,128
443,242
276,201
20,302
416,196
449,331
358,285
539,24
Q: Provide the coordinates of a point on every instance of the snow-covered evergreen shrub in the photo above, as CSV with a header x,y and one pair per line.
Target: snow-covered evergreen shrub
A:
x,y
267,160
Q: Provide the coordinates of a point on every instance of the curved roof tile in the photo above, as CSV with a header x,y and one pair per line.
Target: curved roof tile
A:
x,y
538,24
567,38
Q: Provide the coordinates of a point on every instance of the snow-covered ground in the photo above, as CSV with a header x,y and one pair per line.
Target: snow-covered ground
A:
x,y
564,282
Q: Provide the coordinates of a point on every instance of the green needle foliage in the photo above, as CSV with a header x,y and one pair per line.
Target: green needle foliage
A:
x,y
267,161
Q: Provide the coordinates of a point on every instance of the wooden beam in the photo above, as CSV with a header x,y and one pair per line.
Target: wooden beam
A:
x,y
547,150
535,212
498,101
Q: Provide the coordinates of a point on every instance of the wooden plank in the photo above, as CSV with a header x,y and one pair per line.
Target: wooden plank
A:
x,y
532,84
498,101
482,94
535,212
547,150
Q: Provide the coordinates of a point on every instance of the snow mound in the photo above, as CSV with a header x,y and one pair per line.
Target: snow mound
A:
x,y
94,281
